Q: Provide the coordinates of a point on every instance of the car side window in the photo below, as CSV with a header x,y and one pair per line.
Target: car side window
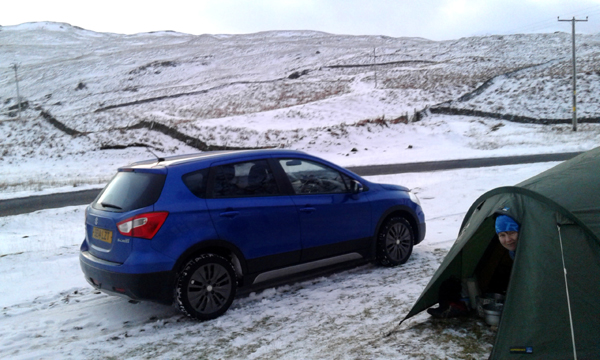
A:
x,y
251,178
196,181
308,177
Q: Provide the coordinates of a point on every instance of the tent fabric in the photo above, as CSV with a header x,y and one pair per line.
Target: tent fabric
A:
x,y
574,185
559,213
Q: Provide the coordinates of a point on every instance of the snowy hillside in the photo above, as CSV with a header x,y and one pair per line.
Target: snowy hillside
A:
x,y
89,96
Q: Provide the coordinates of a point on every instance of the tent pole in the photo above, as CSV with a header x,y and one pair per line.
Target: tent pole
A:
x,y
567,288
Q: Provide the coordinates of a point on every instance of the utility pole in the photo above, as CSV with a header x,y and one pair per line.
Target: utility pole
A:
x,y
18,96
573,21
374,66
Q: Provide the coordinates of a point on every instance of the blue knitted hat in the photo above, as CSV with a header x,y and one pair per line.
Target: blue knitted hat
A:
x,y
506,223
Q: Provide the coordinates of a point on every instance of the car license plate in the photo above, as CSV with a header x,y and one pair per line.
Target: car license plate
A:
x,y
102,235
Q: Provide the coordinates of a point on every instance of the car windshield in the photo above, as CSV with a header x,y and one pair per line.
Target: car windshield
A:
x,y
130,190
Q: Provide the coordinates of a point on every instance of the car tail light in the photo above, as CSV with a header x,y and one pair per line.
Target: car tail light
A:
x,y
143,226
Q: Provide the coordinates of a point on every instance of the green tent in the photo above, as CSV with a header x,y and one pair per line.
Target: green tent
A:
x,y
552,305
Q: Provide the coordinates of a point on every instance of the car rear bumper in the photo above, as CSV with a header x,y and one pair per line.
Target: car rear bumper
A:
x,y
155,286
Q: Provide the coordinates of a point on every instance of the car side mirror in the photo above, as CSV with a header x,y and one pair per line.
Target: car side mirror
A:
x,y
356,187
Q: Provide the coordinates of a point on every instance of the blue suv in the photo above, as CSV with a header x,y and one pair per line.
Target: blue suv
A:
x,y
197,229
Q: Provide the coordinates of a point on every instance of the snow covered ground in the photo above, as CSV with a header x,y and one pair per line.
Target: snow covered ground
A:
x,y
236,91
49,311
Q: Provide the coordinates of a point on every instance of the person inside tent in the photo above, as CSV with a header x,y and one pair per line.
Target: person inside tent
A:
x,y
450,292
508,233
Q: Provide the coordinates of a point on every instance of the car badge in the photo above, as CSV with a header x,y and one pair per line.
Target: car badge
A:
x,y
96,221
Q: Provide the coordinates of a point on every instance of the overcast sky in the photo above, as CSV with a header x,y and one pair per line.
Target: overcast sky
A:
x,y
431,19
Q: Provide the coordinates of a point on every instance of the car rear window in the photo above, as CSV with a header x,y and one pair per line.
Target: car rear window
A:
x,y
130,190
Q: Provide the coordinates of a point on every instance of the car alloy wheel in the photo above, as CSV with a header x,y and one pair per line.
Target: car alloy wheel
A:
x,y
206,287
395,242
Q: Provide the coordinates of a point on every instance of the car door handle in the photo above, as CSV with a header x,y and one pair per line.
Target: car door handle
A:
x,y
307,209
229,214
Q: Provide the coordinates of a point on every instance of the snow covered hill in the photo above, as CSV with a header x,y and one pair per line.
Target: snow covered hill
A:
x,y
88,95
100,85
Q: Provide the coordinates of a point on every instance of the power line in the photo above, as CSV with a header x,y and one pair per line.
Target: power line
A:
x,y
544,24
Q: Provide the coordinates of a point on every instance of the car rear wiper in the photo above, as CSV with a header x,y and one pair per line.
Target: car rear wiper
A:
x,y
111,206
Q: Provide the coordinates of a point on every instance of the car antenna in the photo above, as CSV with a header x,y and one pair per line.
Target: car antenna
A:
x,y
159,159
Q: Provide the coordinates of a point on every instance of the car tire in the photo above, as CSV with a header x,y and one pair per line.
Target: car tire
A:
x,y
395,242
206,287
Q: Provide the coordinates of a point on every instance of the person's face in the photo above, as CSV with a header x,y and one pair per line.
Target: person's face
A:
x,y
509,239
